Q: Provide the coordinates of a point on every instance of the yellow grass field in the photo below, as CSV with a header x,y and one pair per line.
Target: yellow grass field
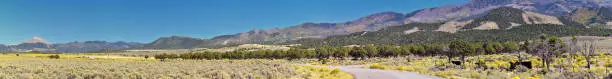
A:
x,y
95,66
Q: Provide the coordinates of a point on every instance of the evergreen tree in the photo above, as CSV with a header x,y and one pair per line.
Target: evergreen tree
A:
x,y
511,47
460,47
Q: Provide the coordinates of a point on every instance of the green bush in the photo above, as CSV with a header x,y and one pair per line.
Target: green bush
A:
x,y
54,56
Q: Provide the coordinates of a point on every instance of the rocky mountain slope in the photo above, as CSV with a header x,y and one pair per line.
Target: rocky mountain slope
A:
x,y
476,8
476,14
500,18
397,36
175,42
599,17
500,24
39,44
307,30
89,46
312,30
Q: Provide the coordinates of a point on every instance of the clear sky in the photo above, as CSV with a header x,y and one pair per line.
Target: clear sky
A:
x,y
61,21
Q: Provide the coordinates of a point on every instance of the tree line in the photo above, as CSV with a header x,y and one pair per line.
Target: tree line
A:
x,y
545,47
359,52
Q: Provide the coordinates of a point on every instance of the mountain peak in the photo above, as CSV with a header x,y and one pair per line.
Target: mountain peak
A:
x,y
492,2
382,16
36,40
379,17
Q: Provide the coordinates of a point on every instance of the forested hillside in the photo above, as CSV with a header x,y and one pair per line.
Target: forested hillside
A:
x,y
503,16
396,35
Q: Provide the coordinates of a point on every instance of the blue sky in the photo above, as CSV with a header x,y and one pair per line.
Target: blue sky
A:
x,y
61,21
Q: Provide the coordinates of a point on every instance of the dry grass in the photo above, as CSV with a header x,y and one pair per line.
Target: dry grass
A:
x,y
604,43
244,47
33,66
247,47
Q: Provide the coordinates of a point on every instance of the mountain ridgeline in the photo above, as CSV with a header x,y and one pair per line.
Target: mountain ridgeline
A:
x,y
175,42
39,44
396,35
514,25
503,17
477,20
598,17
275,36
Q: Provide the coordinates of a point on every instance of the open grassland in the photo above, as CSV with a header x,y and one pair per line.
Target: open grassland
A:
x,y
83,56
247,47
74,66
142,53
602,42
243,47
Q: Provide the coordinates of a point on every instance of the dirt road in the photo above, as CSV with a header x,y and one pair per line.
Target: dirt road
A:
x,y
362,73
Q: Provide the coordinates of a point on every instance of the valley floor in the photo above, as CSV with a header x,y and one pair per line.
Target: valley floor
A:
x,y
79,66
88,66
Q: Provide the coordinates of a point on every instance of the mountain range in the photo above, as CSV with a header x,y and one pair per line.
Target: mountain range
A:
x,y
476,14
39,44
307,30
489,18
499,25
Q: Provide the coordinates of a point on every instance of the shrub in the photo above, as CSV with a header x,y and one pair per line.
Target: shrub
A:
x,y
405,68
335,71
325,60
378,66
321,73
54,56
578,75
521,68
401,68
166,56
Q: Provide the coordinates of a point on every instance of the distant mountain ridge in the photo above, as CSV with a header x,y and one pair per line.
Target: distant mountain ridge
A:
x,y
500,24
598,17
453,18
397,35
175,42
35,40
307,30
500,18
479,7
39,44
313,30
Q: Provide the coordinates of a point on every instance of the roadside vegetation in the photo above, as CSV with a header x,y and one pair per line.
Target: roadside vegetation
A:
x,y
546,57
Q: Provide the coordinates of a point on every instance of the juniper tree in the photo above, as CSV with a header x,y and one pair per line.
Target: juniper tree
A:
x,y
372,51
459,47
341,52
546,48
511,47
359,52
324,52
